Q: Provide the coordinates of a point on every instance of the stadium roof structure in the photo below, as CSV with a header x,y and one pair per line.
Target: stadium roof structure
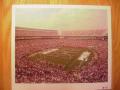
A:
x,y
23,31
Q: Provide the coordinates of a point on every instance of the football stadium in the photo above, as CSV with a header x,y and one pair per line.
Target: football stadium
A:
x,y
52,56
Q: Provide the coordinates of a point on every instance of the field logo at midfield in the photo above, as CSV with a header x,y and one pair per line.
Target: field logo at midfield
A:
x,y
84,56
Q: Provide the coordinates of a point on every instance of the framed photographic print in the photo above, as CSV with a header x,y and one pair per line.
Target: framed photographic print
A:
x,y
61,47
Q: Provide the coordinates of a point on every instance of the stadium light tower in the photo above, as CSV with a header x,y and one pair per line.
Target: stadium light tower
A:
x,y
60,33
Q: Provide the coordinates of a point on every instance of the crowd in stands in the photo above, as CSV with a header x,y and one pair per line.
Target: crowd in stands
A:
x,y
41,71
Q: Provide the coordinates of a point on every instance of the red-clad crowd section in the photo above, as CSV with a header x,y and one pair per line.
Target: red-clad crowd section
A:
x,y
28,71
41,71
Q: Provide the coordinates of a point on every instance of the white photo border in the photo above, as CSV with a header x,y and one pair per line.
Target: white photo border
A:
x,y
62,86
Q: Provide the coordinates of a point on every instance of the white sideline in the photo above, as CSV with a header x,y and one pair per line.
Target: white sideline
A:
x,y
49,51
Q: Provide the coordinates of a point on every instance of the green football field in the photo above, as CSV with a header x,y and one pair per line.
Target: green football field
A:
x,y
66,56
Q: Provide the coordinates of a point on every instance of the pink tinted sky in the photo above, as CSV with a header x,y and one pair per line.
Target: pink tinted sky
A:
x,y
66,19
